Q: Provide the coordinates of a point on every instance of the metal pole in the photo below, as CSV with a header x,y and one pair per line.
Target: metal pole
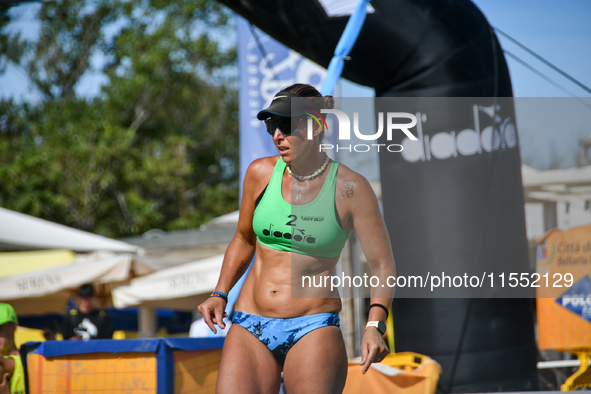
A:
x,y
347,313
358,295
550,217
147,323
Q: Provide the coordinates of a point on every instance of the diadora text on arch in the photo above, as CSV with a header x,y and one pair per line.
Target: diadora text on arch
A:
x,y
500,133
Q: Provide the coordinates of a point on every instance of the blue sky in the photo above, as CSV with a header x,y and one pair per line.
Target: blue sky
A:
x,y
559,31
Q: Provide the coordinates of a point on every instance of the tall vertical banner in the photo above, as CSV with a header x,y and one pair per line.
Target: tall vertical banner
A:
x,y
266,67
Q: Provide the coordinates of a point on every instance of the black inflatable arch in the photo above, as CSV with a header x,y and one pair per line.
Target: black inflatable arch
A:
x,y
444,48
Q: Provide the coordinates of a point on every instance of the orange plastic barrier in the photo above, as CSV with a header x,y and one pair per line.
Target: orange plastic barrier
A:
x,y
147,366
97,373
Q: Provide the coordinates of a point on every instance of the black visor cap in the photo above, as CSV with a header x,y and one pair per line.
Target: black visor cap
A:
x,y
281,106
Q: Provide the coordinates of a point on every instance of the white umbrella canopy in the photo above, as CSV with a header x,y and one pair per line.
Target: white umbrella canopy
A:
x,y
48,290
182,287
20,231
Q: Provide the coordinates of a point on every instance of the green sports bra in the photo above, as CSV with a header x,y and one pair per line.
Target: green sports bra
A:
x,y
311,229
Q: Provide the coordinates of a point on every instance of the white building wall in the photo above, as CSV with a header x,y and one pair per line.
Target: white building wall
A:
x,y
576,215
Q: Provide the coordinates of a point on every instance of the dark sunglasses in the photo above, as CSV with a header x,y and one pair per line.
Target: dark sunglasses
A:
x,y
283,124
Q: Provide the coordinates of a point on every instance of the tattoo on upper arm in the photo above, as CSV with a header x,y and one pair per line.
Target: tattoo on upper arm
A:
x,y
349,186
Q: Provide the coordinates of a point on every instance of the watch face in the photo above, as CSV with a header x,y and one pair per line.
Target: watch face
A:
x,y
381,327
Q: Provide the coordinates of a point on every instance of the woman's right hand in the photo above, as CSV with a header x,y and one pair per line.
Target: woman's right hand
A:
x,y
213,311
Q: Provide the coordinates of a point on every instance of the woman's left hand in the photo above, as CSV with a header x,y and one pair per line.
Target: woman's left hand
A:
x,y
373,348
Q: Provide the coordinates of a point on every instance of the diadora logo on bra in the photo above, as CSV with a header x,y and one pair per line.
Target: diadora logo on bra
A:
x,y
296,234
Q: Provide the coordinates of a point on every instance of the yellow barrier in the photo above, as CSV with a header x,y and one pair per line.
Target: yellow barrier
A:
x,y
581,378
401,373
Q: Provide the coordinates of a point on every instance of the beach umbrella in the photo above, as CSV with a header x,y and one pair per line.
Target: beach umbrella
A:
x,y
20,231
13,263
47,290
182,287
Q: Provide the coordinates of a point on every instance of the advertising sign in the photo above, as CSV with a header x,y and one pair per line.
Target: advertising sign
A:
x,y
564,312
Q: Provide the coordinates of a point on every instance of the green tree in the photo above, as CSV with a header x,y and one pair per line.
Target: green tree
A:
x,y
156,149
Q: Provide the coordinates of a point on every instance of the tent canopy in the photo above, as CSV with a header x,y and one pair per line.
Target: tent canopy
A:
x,y
182,287
19,231
48,290
13,263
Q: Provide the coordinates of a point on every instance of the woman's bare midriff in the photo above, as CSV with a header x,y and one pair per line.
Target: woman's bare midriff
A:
x,y
267,291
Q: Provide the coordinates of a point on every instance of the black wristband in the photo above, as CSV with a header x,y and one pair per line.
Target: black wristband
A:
x,y
219,294
381,306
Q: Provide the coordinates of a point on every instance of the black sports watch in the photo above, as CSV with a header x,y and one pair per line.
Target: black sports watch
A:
x,y
379,325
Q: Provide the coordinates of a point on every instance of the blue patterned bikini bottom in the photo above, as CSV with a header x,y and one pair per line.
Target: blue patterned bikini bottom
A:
x,y
279,335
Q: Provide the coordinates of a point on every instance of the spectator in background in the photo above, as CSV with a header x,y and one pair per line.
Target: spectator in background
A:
x,y
87,321
50,330
11,367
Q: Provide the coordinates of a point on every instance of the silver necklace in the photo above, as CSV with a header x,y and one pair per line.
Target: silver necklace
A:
x,y
316,173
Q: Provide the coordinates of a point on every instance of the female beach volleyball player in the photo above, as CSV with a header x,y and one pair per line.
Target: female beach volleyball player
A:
x,y
297,211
